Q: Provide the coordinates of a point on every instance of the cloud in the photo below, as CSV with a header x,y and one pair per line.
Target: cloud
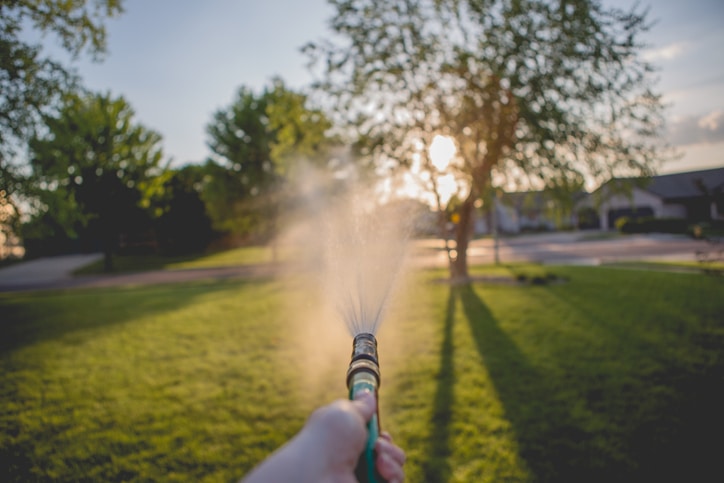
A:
x,y
710,121
706,129
667,52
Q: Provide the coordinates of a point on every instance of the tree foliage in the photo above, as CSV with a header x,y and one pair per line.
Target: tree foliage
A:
x,y
95,167
258,143
537,92
31,82
182,225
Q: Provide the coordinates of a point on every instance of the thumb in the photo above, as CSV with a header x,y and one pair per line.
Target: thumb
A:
x,y
365,404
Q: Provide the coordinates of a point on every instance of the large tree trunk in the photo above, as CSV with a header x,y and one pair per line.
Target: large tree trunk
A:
x,y
459,267
496,233
442,225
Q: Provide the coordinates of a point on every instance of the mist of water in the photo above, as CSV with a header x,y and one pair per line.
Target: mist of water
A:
x,y
350,250
355,247
365,250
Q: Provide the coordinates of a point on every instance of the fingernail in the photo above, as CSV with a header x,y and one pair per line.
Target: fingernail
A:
x,y
362,394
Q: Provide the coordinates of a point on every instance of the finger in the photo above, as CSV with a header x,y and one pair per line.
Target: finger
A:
x,y
395,453
389,469
386,436
365,404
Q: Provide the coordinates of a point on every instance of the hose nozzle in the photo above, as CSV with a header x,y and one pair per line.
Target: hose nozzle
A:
x,y
363,375
365,363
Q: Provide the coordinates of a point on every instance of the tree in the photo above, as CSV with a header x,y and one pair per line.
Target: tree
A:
x,y
258,142
30,83
182,224
94,167
552,90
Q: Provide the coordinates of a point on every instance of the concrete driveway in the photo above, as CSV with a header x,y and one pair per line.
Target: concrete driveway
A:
x,y
43,271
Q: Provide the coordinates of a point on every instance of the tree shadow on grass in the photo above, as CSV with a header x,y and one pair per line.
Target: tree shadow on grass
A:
x,y
31,318
134,412
667,401
554,445
436,467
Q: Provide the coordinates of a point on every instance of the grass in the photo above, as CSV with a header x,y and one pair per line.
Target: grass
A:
x,y
693,266
157,384
137,263
612,376
520,272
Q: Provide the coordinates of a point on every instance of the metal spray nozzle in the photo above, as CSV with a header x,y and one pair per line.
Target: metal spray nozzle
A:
x,y
364,360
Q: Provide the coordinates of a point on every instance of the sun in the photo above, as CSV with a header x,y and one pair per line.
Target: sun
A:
x,y
442,151
416,183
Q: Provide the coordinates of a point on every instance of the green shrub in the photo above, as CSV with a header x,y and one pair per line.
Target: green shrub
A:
x,y
588,218
707,229
653,225
622,222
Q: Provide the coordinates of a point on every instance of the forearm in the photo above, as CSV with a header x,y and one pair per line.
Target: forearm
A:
x,y
291,462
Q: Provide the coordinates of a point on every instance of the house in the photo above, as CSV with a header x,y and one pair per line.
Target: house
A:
x,y
527,211
695,196
517,212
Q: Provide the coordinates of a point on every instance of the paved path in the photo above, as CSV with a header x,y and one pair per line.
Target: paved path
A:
x,y
44,271
553,248
38,279
580,248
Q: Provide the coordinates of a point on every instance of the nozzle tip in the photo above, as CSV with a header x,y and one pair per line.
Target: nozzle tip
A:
x,y
364,347
364,357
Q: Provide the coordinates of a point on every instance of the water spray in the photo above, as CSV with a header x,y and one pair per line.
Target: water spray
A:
x,y
363,375
363,250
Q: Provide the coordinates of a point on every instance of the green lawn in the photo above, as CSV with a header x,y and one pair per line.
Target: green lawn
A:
x,y
614,375
693,266
138,263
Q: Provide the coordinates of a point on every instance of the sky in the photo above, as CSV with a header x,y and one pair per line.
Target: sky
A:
x,y
178,61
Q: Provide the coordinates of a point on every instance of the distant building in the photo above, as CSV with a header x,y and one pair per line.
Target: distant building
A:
x,y
696,196
527,211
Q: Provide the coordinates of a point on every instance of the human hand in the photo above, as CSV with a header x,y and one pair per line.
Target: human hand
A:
x,y
328,447
340,429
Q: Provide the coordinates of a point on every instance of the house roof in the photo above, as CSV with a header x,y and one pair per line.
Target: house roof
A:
x,y
687,185
691,184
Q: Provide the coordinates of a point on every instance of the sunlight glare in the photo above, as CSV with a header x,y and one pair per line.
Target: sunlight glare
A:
x,y
442,151
418,182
